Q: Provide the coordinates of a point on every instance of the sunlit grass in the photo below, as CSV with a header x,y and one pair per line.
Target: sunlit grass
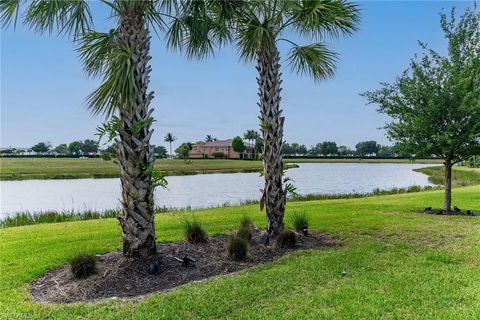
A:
x,y
392,263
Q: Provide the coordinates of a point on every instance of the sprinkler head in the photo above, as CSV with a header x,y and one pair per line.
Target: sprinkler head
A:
x,y
305,231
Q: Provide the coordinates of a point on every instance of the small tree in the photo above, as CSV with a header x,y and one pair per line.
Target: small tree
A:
x,y
183,150
160,152
287,149
329,147
367,147
61,149
89,146
344,151
75,147
41,147
435,105
238,145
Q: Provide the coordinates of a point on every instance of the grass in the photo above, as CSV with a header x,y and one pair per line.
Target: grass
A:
x,y
392,264
68,168
29,218
461,176
361,160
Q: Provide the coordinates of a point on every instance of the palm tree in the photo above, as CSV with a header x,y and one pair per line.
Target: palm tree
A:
x,y
122,57
251,136
170,138
210,138
259,27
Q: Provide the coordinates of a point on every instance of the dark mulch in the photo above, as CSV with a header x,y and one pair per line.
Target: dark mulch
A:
x,y
455,212
119,277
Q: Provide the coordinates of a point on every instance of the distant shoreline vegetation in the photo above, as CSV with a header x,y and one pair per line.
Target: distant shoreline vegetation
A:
x,y
71,167
95,168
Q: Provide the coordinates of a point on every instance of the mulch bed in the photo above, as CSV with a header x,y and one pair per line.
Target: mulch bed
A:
x,y
119,277
456,212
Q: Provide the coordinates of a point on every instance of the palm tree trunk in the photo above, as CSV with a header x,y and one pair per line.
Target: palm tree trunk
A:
x,y
447,202
135,152
274,197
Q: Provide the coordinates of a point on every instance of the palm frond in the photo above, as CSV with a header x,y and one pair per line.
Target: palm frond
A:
x,y
253,34
154,14
94,51
70,17
9,12
324,18
201,26
118,88
315,60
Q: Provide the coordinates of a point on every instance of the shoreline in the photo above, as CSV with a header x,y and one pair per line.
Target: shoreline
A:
x,y
20,169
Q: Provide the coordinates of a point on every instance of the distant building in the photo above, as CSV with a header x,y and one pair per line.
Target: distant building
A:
x,y
220,149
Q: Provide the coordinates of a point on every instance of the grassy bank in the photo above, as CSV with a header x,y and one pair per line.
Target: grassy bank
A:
x,y
68,168
360,160
461,176
29,218
392,263
74,168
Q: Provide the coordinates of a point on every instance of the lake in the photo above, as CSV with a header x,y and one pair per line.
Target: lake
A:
x,y
205,190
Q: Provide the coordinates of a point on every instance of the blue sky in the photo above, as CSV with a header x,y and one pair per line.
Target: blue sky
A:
x,y
43,88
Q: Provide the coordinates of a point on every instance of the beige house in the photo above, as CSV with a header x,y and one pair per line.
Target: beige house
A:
x,y
220,149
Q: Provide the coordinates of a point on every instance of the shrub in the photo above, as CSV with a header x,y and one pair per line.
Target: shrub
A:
x,y
299,221
286,239
218,155
83,265
194,232
106,156
245,231
237,249
246,222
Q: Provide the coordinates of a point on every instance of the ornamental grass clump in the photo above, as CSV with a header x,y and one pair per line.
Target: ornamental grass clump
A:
x,y
300,221
194,233
246,229
286,239
83,265
237,248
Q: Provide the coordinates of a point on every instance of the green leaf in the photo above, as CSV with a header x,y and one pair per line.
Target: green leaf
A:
x,y
314,60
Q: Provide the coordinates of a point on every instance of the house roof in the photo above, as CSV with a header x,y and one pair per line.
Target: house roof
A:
x,y
220,144
217,143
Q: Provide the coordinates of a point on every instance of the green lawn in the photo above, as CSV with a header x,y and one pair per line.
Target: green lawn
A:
x,y
359,160
398,264
68,168
461,176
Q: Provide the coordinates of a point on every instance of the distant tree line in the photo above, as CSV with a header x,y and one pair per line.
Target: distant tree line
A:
x,y
78,148
330,148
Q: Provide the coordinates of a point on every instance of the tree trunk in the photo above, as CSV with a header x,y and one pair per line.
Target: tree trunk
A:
x,y
271,122
135,153
447,202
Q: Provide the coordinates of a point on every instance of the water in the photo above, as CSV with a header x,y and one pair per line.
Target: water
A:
x,y
204,190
